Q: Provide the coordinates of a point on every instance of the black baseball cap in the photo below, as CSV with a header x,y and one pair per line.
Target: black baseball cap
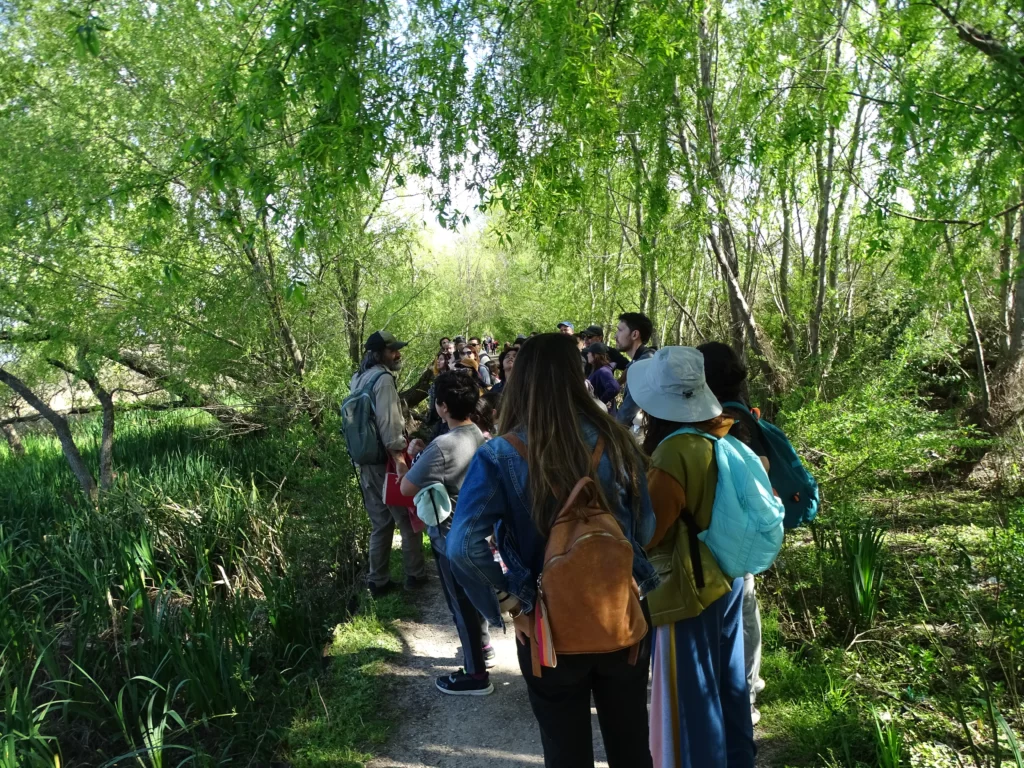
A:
x,y
597,348
381,340
593,330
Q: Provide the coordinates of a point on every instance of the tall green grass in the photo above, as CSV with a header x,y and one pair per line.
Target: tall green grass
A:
x,y
175,622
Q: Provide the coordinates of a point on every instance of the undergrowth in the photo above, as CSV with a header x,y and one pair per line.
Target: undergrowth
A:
x,y
181,620
925,669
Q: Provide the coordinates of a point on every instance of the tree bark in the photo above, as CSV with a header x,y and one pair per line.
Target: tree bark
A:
x,y
824,171
976,342
61,427
1006,296
788,328
290,344
979,353
350,308
1016,350
190,395
106,400
13,439
743,328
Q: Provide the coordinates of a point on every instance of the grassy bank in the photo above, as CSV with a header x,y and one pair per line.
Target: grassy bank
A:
x,y
182,619
893,630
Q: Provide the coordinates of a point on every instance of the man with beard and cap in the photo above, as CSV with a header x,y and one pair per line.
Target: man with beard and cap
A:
x,y
382,360
594,334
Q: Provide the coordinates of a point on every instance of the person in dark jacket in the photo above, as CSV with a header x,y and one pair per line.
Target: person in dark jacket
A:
x,y
635,330
594,334
601,378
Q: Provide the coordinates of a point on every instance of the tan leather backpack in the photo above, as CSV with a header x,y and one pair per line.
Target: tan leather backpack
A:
x,y
587,598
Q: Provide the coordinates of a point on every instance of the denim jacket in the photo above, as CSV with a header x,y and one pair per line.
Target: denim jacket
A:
x,y
495,498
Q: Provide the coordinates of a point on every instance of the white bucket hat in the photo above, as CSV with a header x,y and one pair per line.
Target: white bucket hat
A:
x,y
671,386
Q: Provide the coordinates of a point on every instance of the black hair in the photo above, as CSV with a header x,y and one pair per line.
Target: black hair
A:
x,y
637,321
724,370
474,338
482,415
459,392
656,430
503,355
443,340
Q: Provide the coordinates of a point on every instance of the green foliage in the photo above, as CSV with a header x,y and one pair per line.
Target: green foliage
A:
x,y
863,554
166,620
888,741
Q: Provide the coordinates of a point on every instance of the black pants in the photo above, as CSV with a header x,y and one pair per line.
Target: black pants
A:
x,y
471,626
560,699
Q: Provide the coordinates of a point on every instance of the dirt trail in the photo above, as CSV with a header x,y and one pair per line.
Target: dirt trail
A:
x,y
496,731
432,729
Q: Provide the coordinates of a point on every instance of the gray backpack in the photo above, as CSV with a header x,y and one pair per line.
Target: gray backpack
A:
x,y
359,425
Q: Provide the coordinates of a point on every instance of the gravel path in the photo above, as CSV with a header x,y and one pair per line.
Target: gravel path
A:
x,y
432,729
496,731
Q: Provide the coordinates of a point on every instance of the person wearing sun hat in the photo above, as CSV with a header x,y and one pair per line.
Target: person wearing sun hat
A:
x,y
700,705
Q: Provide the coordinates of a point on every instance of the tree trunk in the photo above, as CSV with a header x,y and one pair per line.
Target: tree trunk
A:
x,y
13,439
61,427
1016,350
350,308
1006,296
784,267
106,401
979,353
290,345
87,373
189,394
824,171
743,327
976,342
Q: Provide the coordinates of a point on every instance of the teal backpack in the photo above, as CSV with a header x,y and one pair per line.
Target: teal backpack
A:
x,y
746,531
359,425
795,485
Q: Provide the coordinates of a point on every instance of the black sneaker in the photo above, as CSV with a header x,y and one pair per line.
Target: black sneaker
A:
x,y
379,590
461,684
490,657
413,583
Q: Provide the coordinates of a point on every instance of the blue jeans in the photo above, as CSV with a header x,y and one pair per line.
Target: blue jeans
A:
x,y
710,690
471,626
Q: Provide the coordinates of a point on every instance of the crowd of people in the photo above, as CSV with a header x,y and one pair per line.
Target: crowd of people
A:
x,y
519,437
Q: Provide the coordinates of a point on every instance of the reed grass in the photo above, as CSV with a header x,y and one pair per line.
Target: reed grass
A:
x,y
172,623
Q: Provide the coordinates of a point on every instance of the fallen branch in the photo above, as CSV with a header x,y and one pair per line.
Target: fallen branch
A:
x,y
87,409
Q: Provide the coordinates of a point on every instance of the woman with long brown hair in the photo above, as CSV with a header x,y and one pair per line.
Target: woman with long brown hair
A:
x,y
553,434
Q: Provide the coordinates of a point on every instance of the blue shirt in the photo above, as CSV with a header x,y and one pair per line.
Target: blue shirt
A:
x,y
495,498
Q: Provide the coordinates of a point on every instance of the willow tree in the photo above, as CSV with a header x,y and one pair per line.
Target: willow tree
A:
x,y
189,189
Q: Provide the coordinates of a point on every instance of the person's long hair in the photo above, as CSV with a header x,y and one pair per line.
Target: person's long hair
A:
x,y
546,397
370,359
656,430
725,372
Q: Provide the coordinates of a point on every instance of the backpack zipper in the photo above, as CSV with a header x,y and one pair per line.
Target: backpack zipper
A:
x,y
581,538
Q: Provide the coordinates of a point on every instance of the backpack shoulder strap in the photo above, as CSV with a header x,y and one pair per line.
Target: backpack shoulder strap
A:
x,y
370,384
692,530
595,457
514,440
737,404
693,431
